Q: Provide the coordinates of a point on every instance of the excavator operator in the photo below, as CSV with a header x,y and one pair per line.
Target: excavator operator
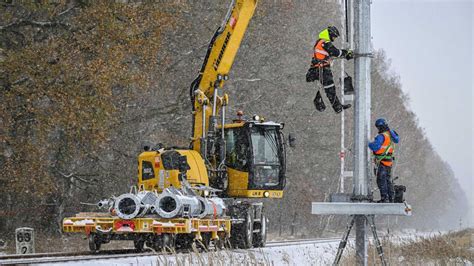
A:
x,y
324,51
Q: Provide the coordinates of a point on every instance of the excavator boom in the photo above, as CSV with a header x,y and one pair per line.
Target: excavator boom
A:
x,y
245,158
220,56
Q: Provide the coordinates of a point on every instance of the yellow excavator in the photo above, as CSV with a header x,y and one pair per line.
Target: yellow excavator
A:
x,y
226,162
242,159
245,158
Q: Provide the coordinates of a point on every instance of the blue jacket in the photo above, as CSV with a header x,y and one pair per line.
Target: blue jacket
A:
x,y
374,146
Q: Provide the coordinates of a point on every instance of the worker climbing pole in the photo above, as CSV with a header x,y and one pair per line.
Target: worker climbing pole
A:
x,y
320,69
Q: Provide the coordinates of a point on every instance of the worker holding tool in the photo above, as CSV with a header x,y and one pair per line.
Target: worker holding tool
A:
x,y
383,149
324,51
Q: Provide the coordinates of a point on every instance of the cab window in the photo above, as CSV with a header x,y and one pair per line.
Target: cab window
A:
x,y
147,170
237,149
266,151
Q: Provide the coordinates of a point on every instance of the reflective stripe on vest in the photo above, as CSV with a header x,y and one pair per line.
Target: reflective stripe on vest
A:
x,y
319,52
384,154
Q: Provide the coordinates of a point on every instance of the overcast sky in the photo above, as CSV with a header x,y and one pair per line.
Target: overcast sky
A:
x,y
430,44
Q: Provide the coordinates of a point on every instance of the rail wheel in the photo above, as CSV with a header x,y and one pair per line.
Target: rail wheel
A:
x,y
183,242
139,244
260,238
248,231
242,237
94,243
168,242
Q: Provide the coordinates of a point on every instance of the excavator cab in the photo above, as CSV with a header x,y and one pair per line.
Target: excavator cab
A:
x,y
255,159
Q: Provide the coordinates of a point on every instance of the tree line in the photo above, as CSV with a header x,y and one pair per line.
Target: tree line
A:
x,y
85,84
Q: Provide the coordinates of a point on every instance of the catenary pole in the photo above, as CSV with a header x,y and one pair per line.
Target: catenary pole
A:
x,y
361,120
343,149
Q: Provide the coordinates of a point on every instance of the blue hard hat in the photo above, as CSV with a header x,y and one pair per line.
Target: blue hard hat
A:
x,y
380,122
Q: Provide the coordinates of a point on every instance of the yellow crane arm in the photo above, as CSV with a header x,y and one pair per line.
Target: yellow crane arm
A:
x,y
216,66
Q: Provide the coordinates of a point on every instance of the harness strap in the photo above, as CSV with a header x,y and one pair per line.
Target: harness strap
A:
x,y
320,65
386,156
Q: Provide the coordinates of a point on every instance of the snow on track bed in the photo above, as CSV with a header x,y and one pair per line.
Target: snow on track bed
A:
x,y
63,256
293,252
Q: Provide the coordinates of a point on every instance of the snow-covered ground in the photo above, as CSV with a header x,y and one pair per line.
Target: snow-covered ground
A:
x,y
316,253
289,252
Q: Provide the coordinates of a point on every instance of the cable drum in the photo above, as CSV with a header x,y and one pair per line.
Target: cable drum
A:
x,y
172,204
214,207
129,206
167,205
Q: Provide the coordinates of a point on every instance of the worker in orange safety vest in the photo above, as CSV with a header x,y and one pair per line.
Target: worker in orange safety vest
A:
x,y
320,69
383,149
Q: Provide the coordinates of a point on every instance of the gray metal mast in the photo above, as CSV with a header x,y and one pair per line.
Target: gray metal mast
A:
x,y
343,147
362,97
361,120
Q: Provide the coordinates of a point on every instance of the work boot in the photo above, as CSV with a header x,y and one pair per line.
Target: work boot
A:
x,y
341,107
319,103
336,104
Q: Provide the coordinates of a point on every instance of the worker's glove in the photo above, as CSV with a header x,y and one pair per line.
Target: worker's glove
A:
x,y
349,55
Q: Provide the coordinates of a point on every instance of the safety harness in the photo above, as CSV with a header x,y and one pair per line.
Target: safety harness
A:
x,y
321,56
387,155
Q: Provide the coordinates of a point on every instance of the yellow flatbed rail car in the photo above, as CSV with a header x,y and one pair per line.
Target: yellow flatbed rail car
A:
x,y
115,225
157,233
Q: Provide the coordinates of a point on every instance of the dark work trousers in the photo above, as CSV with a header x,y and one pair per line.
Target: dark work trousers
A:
x,y
324,75
384,182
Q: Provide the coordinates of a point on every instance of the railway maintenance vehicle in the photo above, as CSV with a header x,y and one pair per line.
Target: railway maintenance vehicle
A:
x,y
203,193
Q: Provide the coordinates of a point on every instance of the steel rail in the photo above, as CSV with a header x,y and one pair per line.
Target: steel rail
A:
x,y
124,253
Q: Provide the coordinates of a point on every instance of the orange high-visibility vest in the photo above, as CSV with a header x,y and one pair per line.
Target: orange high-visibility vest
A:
x,y
321,54
384,154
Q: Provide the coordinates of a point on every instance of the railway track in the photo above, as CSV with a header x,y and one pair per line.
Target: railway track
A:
x,y
64,257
